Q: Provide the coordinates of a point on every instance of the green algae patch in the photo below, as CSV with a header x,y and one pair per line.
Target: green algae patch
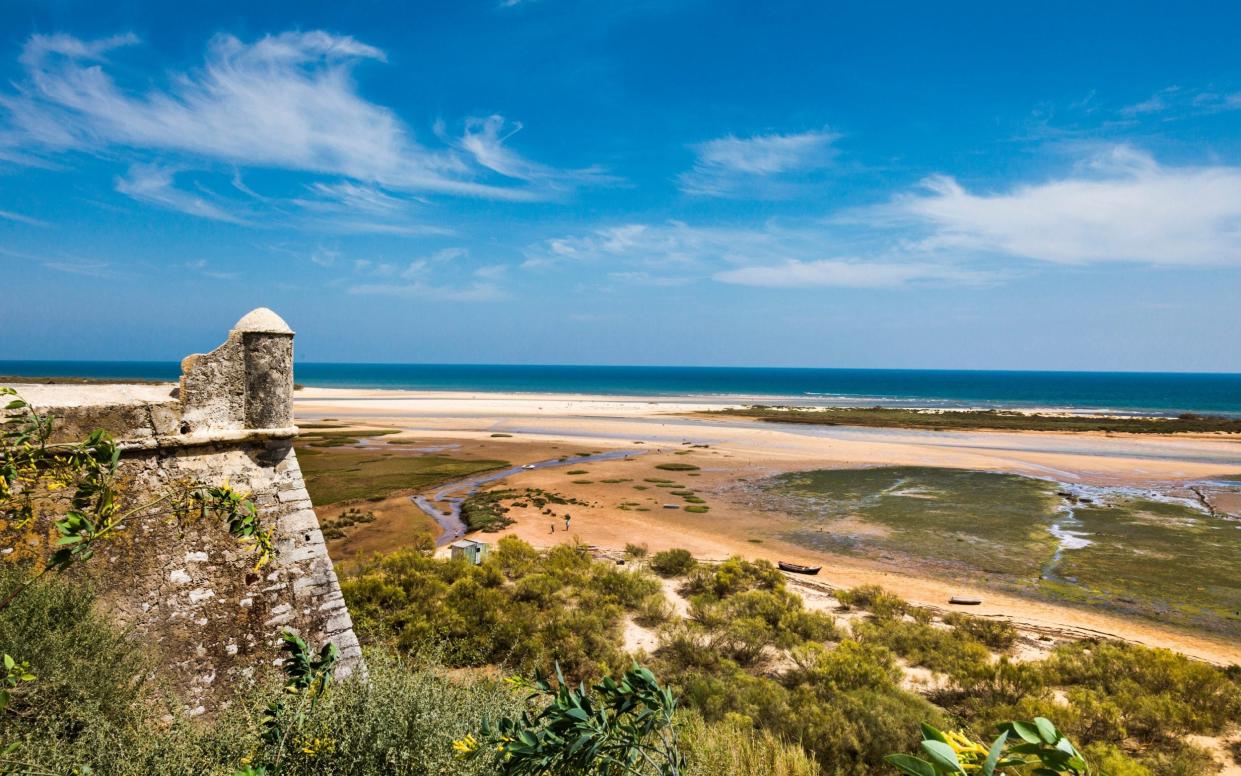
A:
x,y
978,522
1161,559
1166,560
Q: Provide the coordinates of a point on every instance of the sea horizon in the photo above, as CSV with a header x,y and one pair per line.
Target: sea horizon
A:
x,y
1159,393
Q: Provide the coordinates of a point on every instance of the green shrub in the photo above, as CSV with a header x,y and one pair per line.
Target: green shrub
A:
x,y
1161,694
939,649
672,563
697,509
654,610
92,697
635,551
486,511
401,720
733,746
677,467
735,575
846,710
999,635
519,608
874,599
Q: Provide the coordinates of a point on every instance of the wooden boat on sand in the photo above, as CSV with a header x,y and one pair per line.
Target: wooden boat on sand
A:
x,y
797,568
961,600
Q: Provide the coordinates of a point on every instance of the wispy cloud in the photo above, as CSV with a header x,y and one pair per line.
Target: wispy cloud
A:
x,y
848,273
22,219
1120,205
286,102
472,292
435,277
1175,102
732,166
203,267
353,197
96,269
324,257
768,255
157,185
484,139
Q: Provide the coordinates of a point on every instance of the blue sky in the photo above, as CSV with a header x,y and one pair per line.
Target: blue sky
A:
x,y
973,185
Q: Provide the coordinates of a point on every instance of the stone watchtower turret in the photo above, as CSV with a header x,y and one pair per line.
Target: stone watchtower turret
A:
x,y
192,593
245,383
267,342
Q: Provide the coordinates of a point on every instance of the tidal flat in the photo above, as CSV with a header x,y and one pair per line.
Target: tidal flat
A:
x,y
1160,555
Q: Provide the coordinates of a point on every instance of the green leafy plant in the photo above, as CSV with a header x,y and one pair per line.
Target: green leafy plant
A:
x,y
309,676
1042,751
612,728
79,482
15,674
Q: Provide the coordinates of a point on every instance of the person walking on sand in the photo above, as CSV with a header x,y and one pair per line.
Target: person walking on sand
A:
x,y
566,521
553,527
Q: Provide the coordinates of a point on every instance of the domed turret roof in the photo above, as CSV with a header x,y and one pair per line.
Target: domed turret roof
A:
x,y
262,320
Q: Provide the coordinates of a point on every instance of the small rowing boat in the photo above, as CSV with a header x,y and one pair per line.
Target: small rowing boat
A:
x,y
964,601
797,568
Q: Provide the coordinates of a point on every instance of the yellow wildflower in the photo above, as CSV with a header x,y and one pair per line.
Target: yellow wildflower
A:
x,y
465,746
967,751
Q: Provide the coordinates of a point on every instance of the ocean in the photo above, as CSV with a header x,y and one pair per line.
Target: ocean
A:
x,y
1156,393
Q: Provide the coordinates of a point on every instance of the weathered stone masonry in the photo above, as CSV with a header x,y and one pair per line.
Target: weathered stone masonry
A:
x,y
191,591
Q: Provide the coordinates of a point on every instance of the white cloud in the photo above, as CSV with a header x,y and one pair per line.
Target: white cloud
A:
x,y
355,197
203,267
424,278
472,292
491,271
324,257
95,269
21,219
284,102
848,273
484,139
1118,206
157,185
1175,102
731,166
768,255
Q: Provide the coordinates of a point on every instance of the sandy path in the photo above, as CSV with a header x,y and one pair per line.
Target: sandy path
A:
x,y
746,449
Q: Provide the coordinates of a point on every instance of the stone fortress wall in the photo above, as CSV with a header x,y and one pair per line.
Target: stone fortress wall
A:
x,y
191,592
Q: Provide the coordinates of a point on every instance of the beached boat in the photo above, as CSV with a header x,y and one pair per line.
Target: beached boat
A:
x,y
797,568
964,601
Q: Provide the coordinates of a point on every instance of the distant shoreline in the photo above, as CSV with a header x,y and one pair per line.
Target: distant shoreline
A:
x,y
990,420
1120,394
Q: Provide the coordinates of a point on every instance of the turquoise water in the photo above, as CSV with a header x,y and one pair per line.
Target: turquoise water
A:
x,y
1163,393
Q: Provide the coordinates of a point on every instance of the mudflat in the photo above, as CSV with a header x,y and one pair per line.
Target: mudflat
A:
x,y
720,485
